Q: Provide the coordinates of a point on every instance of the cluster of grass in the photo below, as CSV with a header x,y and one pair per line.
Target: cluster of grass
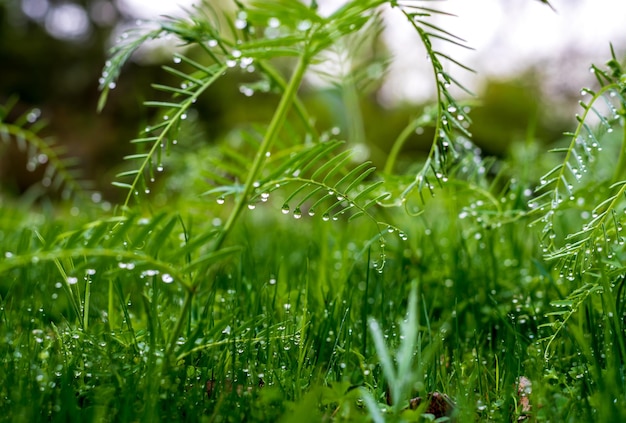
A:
x,y
305,287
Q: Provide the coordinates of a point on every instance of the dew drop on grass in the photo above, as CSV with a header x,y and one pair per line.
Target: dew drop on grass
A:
x,y
251,206
273,22
247,91
220,200
297,214
311,212
167,278
285,209
72,280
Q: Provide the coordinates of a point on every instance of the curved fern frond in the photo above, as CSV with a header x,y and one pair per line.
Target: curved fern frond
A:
x,y
452,119
568,307
157,138
132,244
562,184
126,45
61,173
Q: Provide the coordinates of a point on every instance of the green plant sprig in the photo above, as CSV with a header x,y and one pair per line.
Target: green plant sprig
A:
x,y
451,117
563,183
61,173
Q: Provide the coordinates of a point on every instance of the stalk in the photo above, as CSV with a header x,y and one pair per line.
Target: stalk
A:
x,y
620,169
179,323
270,136
398,144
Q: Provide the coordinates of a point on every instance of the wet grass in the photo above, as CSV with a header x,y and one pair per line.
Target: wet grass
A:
x,y
469,289
296,323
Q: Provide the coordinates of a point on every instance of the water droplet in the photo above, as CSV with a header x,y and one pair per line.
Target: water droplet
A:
x,y
72,280
247,91
325,217
297,214
273,22
212,43
251,206
220,200
311,212
285,209
304,25
177,59
167,278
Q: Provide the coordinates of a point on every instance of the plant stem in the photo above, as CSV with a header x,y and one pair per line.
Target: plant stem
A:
x,y
398,144
270,136
620,169
179,323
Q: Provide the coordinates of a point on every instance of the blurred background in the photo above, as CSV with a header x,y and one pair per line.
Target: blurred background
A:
x,y
530,60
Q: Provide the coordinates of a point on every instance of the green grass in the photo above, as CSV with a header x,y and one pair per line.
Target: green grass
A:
x,y
237,305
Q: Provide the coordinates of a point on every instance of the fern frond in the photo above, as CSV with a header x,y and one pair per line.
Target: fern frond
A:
x,y
122,244
569,306
61,172
563,183
156,139
451,117
126,45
